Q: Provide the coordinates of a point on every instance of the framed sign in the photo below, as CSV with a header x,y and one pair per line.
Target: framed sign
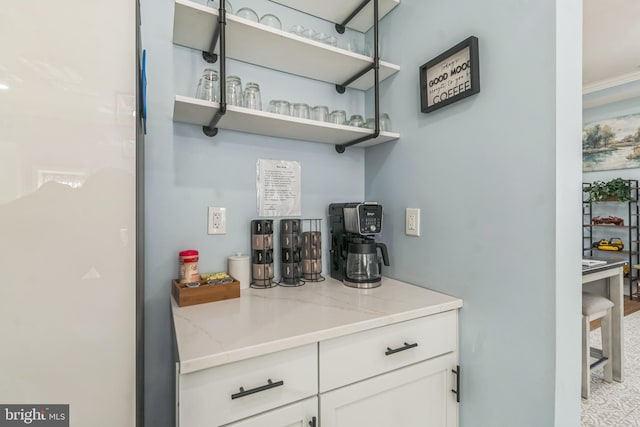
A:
x,y
450,76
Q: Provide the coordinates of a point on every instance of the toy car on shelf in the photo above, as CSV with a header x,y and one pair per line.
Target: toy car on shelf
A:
x,y
613,244
610,220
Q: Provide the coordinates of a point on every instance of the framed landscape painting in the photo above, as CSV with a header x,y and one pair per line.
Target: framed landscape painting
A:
x,y
611,144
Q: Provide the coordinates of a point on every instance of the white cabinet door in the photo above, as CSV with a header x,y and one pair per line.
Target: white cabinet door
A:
x,y
227,393
416,396
301,414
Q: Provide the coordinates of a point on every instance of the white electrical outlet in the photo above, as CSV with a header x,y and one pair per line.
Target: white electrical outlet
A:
x,y
217,223
412,222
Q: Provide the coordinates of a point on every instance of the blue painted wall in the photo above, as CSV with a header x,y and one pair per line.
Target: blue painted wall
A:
x,y
186,172
481,170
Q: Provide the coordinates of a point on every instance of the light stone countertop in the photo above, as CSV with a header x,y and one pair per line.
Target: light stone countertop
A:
x,y
263,321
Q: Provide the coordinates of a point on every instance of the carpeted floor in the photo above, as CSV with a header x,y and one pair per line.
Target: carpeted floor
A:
x,y
616,404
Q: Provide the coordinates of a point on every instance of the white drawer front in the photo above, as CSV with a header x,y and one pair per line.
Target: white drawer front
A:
x,y
206,396
362,355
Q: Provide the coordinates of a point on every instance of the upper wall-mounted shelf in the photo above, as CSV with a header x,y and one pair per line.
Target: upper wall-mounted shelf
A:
x,y
199,112
337,11
247,41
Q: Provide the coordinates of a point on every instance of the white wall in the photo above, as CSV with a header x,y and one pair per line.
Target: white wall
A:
x,y
497,177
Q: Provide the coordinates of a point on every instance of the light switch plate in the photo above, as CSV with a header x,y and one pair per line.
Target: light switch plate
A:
x,y
217,220
412,222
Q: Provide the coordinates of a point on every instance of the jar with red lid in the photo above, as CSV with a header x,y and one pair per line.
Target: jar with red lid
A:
x,y
189,266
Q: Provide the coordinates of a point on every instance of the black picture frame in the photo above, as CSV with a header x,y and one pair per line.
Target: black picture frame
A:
x,y
457,76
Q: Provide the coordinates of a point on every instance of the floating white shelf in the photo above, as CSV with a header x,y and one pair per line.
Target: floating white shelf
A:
x,y
258,44
337,11
200,112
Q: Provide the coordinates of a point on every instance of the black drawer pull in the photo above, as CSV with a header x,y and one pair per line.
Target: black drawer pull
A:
x,y
270,384
403,348
457,390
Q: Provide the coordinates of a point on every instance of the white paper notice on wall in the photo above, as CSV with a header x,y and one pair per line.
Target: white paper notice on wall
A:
x,y
278,187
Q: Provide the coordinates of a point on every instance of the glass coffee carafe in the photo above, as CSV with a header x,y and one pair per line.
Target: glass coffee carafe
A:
x,y
363,269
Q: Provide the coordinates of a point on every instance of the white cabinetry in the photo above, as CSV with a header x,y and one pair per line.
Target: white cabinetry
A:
x,y
415,396
194,26
363,381
333,357
222,394
397,375
300,414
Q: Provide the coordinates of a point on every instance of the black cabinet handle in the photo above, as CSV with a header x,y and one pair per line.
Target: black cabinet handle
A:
x,y
403,348
270,384
312,423
457,390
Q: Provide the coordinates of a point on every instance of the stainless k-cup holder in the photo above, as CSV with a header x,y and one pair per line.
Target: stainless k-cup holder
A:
x,y
262,241
262,226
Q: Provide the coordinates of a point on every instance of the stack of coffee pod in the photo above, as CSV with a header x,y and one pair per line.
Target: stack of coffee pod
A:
x,y
262,253
312,250
290,252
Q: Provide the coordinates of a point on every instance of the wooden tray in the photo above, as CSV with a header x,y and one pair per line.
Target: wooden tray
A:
x,y
186,296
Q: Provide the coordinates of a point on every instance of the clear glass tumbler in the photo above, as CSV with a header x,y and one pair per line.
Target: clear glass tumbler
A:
x,y
356,120
297,30
370,123
209,86
234,91
331,40
248,13
252,96
271,20
280,106
320,113
300,110
385,122
339,117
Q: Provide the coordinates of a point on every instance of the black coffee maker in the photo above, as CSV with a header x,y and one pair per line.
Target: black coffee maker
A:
x,y
354,251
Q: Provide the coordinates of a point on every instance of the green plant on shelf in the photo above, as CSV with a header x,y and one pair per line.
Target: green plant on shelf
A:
x,y
617,189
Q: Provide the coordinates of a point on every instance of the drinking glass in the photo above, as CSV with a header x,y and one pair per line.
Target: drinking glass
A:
x,y
320,37
308,33
338,117
252,96
247,13
320,113
216,5
297,30
271,21
370,123
356,120
209,86
234,91
353,45
385,122
280,106
300,110
332,41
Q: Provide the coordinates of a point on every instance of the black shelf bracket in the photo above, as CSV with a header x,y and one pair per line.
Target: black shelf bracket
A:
x,y
376,77
211,130
209,57
341,27
341,88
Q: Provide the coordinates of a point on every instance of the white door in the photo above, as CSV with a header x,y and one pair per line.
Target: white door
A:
x,y
68,208
301,414
418,395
